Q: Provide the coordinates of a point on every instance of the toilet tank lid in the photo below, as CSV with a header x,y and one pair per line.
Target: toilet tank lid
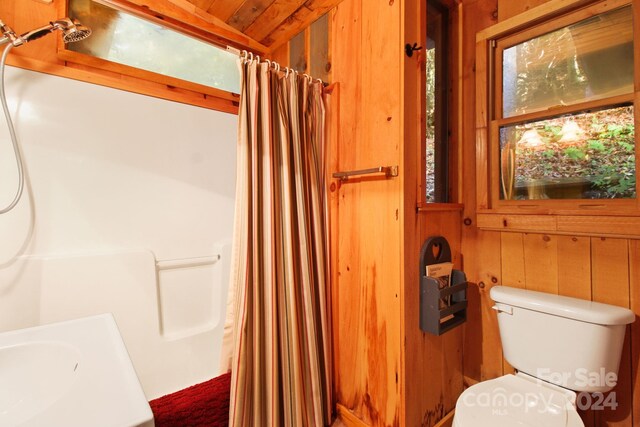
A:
x,y
571,308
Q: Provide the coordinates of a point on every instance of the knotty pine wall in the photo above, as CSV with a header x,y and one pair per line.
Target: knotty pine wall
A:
x,y
419,383
387,371
367,282
590,267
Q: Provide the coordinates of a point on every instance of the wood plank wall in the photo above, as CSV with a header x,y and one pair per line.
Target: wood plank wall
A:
x,y
367,293
432,364
590,267
594,268
387,371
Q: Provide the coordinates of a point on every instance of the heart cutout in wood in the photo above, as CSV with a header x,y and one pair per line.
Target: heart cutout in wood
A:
x,y
436,250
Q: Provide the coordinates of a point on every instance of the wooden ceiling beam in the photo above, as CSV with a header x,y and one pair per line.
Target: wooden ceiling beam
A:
x,y
273,16
188,18
202,4
248,13
224,9
255,25
307,14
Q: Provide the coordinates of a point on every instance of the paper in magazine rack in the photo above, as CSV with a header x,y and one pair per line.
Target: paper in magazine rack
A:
x,y
435,319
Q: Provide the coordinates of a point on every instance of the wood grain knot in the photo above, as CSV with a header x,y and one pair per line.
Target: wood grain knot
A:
x,y
467,221
481,285
494,280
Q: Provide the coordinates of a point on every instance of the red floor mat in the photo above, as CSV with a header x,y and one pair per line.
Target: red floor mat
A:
x,y
201,405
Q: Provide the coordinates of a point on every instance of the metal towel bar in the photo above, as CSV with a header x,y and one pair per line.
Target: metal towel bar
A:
x,y
389,171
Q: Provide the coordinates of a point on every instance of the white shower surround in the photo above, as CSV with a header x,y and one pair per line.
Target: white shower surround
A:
x,y
128,205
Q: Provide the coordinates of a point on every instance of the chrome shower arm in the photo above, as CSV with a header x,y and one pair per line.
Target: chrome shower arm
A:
x,y
8,35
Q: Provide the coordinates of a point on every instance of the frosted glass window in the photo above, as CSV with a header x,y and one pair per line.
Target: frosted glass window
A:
x,y
591,59
126,39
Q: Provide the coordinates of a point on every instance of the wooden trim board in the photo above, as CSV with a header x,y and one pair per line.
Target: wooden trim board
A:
x,y
347,417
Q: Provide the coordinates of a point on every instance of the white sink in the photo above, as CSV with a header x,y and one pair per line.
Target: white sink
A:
x,y
68,374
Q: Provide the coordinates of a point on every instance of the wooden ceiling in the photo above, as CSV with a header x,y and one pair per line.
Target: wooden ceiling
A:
x,y
268,22
260,26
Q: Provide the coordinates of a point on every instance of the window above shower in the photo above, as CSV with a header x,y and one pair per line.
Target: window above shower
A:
x,y
126,39
157,51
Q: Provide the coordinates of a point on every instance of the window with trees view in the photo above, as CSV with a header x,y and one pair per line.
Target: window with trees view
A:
x,y
563,107
437,132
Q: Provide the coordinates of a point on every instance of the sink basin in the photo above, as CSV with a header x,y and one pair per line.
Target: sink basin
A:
x,y
74,373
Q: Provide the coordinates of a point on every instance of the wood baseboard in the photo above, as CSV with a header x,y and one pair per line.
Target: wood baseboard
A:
x,y
447,421
348,418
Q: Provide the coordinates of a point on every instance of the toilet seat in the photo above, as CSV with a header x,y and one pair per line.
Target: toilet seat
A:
x,y
516,400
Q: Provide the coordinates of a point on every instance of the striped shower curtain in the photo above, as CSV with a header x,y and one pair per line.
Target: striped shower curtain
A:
x,y
281,373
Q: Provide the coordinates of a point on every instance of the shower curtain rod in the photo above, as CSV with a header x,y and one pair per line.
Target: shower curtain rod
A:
x,y
245,53
233,50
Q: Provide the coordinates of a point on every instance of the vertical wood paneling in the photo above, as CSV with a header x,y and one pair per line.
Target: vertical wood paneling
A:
x,y
380,205
349,307
319,62
513,271
574,280
610,284
480,249
610,271
574,266
369,337
298,53
541,262
483,350
513,262
634,282
432,364
432,359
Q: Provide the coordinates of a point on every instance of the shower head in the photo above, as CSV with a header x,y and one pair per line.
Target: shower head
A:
x,y
72,30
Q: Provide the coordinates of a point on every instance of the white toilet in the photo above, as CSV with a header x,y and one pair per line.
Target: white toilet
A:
x,y
559,346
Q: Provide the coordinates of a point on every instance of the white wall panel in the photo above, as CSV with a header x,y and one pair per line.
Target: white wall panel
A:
x,y
116,173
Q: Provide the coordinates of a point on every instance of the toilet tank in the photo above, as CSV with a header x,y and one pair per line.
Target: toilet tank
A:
x,y
569,342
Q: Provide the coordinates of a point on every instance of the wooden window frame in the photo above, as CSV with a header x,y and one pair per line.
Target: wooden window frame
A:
x,y
442,103
449,171
489,45
162,86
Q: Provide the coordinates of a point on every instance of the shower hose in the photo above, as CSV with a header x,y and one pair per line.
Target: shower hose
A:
x,y
12,132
